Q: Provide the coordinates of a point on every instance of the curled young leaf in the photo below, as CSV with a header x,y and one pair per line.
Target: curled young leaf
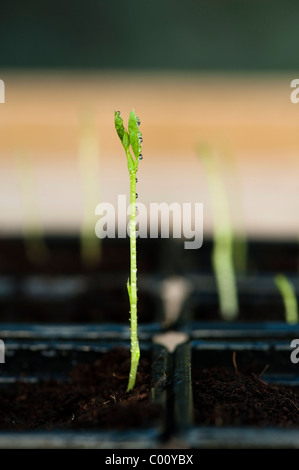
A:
x,y
131,163
126,144
132,137
129,288
126,140
135,134
119,125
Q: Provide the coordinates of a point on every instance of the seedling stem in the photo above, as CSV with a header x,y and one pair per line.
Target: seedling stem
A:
x,y
132,138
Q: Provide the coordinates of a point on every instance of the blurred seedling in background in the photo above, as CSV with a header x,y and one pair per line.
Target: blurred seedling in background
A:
x,y
89,169
287,291
132,138
222,254
229,167
33,233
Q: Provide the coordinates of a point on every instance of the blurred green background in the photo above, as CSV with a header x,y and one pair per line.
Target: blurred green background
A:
x,y
156,34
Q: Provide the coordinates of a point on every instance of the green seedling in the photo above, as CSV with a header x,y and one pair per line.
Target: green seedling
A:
x,y
132,138
287,291
33,233
222,255
240,245
89,174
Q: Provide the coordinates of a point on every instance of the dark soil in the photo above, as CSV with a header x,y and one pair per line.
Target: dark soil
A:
x,y
94,397
224,398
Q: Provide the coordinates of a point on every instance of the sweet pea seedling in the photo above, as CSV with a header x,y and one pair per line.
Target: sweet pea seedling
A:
x,y
132,138
222,256
33,232
287,291
240,245
88,159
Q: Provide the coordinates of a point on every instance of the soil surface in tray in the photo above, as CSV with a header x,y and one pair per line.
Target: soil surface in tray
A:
x,y
95,397
224,398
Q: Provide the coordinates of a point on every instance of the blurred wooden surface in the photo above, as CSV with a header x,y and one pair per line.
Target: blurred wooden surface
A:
x,y
248,120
